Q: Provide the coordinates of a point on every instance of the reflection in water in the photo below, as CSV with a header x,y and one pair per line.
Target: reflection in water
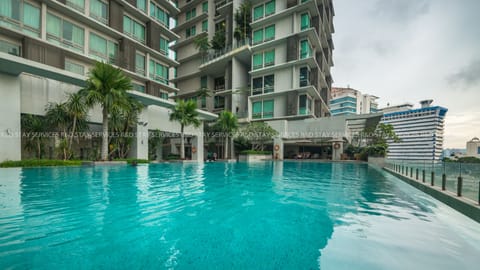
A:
x,y
265,215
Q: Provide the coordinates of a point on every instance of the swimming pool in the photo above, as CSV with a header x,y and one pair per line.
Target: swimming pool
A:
x,y
266,215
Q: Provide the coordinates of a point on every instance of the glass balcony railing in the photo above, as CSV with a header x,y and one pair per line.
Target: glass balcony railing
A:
x,y
460,179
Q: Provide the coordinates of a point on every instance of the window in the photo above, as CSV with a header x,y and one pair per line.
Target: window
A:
x,y
269,8
76,4
303,105
140,64
102,49
258,36
158,72
304,21
478,150
262,109
257,110
99,10
269,58
10,48
203,82
191,14
205,26
64,33
133,29
219,102
74,67
21,16
159,14
304,74
269,82
262,10
257,60
163,46
305,49
270,32
257,86
142,5
190,32
268,108
138,87
205,7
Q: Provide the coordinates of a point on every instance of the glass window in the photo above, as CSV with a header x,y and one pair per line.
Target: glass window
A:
x,y
133,29
74,67
219,102
189,32
270,58
257,86
102,49
21,16
159,14
205,7
258,12
304,21
257,110
163,46
64,33
158,72
140,64
269,82
10,48
258,36
99,10
302,105
270,8
304,49
138,87
270,32
163,95
304,76
203,82
191,14
203,101
257,61
142,5
76,4
267,108
205,26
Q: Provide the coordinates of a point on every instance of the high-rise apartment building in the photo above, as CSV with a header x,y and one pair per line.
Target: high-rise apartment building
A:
x,y
420,132
278,69
47,48
347,101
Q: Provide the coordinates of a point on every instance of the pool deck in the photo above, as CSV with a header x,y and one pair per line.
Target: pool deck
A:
x,y
468,207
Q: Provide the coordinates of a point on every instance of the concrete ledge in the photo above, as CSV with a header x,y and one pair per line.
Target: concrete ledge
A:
x,y
109,163
463,205
254,157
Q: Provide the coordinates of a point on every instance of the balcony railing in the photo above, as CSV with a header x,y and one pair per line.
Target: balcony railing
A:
x,y
457,178
213,54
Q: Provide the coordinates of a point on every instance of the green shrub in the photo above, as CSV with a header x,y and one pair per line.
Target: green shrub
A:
x,y
172,157
39,163
131,160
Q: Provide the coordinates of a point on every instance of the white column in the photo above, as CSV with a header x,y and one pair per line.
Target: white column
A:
x,y
197,144
139,148
337,149
10,136
278,149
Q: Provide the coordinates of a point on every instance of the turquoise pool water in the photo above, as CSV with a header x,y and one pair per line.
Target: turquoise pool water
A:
x,y
282,215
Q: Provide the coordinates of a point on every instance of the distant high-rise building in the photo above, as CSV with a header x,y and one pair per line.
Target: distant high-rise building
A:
x,y
420,131
473,148
350,101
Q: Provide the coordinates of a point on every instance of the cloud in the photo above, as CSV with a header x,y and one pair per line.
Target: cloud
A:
x,y
402,11
468,76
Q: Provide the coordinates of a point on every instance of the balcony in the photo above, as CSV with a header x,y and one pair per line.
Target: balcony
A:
x,y
228,50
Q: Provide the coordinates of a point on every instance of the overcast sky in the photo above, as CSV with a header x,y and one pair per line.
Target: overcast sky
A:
x,y
409,50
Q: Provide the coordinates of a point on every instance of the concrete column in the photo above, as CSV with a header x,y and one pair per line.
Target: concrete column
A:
x,y
278,154
336,153
159,152
197,142
139,147
10,133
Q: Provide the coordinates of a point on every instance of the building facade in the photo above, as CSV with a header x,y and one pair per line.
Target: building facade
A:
x,y
473,148
420,132
47,48
347,101
278,70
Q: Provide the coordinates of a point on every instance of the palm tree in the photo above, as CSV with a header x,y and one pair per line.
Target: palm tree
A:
x,y
123,121
33,126
106,86
59,119
77,109
227,123
186,114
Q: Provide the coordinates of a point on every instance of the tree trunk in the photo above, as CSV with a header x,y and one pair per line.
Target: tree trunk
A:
x,y
72,134
182,143
104,155
226,148
39,149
